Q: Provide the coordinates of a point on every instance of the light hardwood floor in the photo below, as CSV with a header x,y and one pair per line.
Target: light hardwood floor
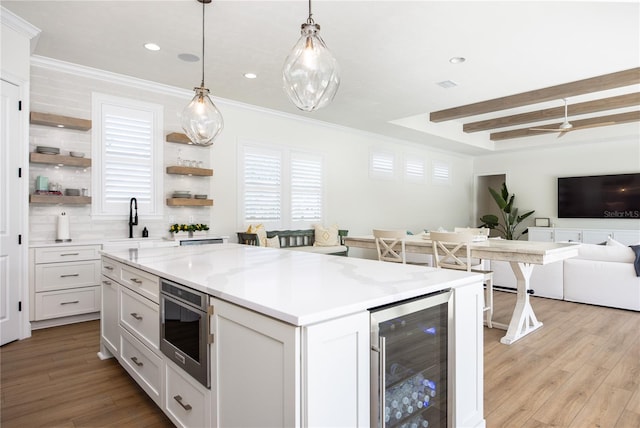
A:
x,y
582,369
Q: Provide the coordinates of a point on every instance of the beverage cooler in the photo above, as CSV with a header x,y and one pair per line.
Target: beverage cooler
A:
x,y
409,353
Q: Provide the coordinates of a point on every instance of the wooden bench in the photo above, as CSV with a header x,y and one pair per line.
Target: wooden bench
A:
x,y
300,240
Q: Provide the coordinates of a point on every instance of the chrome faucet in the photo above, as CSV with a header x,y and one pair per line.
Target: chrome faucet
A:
x,y
133,220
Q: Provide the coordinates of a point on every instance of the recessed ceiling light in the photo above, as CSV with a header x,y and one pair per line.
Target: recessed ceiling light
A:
x,y
151,47
189,57
457,60
447,84
250,75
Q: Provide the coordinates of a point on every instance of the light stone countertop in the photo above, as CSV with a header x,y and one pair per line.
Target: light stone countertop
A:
x,y
298,288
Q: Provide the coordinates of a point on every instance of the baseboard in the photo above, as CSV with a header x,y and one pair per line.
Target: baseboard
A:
x,y
55,322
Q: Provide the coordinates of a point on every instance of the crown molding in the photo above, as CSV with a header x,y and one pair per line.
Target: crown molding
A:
x,y
19,25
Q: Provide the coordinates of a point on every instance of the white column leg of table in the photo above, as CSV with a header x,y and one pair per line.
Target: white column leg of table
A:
x,y
523,321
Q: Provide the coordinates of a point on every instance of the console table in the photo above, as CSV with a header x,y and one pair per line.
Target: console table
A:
x,y
521,255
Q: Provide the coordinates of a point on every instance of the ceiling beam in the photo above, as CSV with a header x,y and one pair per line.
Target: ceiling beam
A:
x,y
610,103
613,119
579,87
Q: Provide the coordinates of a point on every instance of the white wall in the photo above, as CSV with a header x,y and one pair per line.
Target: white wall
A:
x,y
532,176
354,201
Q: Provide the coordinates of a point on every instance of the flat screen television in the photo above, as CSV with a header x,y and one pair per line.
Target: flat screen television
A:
x,y
599,196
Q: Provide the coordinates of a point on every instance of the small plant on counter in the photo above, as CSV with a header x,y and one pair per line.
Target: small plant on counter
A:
x,y
176,228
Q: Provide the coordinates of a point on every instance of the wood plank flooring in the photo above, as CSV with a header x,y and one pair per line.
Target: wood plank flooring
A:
x,y
581,369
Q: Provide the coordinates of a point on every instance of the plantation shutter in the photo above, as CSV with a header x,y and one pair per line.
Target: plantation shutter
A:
x,y
414,169
306,188
382,165
262,186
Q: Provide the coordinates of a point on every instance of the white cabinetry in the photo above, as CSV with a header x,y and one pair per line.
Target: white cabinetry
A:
x,y
587,236
130,327
65,282
188,403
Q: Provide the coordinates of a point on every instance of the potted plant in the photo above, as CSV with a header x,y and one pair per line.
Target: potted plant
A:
x,y
192,230
509,213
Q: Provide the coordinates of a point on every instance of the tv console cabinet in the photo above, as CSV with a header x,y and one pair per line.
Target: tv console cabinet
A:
x,y
586,236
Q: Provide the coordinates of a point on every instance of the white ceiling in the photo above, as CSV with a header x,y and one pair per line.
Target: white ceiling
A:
x,y
391,53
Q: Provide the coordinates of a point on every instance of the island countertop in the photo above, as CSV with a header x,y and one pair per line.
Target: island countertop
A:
x,y
298,288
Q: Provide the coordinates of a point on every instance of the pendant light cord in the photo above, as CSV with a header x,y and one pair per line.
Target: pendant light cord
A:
x,y
202,84
310,19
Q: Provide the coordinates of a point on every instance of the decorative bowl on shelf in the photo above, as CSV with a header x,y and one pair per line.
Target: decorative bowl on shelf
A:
x,y
185,194
77,154
45,150
72,192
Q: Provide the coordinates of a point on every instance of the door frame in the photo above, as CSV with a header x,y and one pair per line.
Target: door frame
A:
x,y
22,205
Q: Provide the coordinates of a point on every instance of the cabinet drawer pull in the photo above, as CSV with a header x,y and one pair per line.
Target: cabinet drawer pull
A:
x,y
70,303
69,275
109,267
136,316
136,362
178,398
107,282
136,280
70,254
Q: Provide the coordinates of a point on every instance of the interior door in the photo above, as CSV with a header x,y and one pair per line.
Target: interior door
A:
x,y
10,212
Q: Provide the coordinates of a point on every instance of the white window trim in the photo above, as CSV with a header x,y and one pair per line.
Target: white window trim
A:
x,y
157,110
437,165
417,160
380,174
286,153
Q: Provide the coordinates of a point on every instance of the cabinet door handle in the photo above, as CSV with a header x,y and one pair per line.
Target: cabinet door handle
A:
x,y
136,280
69,274
136,362
178,398
107,282
108,267
70,303
136,316
70,254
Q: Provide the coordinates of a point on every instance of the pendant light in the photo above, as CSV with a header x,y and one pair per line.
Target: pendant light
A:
x,y
201,120
311,75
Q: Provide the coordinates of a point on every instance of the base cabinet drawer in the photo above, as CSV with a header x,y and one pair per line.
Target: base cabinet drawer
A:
x,y
62,303
141,282
67,253
141,317
56,276
142,364
187,402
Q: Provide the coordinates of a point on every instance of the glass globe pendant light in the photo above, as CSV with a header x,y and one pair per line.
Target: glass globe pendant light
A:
x,y
311,75
201,120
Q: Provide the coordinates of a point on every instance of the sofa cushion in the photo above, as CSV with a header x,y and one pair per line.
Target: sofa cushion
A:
x,y
326,236
273,242
606,253
321,249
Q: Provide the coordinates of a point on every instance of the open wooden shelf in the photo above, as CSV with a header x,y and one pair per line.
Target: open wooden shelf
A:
x,y
177,137
59,160
186,202
187,170
58,199
58,121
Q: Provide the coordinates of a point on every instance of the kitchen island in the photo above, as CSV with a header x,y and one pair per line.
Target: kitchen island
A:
x,y
290,333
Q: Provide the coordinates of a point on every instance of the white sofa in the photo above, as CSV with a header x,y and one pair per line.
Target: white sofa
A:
x,y
600,275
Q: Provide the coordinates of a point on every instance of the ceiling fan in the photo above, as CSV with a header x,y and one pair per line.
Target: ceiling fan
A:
x,y
566,126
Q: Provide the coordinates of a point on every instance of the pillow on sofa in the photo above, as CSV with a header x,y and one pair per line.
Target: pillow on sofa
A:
x,y
260,231
606,253
613,243
326,236
273,242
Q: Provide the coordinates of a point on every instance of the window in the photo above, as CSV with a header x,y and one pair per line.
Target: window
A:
x,y
382,165
441,173
281,188
413,169
127,152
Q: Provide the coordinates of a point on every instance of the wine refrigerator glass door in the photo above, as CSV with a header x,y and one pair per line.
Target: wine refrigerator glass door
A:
x,y
409,362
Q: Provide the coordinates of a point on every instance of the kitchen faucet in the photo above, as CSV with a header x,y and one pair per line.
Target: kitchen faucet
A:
x,y
133,221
